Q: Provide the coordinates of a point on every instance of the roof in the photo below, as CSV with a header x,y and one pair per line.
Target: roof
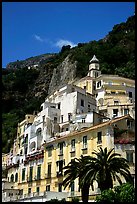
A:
x,y
94,59
84,78
110,122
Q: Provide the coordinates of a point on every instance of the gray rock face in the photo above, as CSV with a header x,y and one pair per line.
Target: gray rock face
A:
x,y
63,74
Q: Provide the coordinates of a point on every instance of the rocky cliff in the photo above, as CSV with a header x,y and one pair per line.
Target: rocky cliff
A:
x,y
64,73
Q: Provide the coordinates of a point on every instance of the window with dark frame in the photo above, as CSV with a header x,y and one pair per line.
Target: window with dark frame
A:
x,y
49,170
48,188
39,172
73,145
129,156
82,102
69,116
60,187
29,190
61,118
99,137
58,105
60,148
84,142
130,94
37,189
23,174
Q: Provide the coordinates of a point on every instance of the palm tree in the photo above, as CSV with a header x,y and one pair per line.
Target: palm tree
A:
x,y
106,167
76,169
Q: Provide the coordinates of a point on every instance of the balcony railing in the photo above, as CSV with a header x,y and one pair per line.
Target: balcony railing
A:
x,y
73,149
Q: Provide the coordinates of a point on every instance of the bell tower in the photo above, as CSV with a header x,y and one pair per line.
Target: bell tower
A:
x,y
94,67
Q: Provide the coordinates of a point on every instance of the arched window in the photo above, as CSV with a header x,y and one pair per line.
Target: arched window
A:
x,y
33,146
16,177
38,132
12,178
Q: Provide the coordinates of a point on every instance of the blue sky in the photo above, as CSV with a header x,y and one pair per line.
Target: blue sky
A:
x,y
34,28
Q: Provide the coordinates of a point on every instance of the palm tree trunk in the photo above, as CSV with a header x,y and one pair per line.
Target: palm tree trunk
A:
x,y
85,193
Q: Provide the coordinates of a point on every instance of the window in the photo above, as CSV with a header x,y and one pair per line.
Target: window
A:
x,y
126,111
38,132
85,87
58,105
59,167
84,142
43,119
82,102
99,137
20,152
16,177
116,103
26,139
61,118
12,178
23,174
48,188
55,120
69,116
49,170
94,85
129,156
113,92
49,152
60,148
83,120
115,112
29,190
96,73
130,94
60,187
72,188
39,172
31,173
26,150
89,108
98,84
37,189
73,145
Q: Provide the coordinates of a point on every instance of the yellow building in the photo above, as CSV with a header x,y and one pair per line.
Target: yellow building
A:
x,y
42,171
62,150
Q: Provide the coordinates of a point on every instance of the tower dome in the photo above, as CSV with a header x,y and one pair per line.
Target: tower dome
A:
x,y
94,60
94,67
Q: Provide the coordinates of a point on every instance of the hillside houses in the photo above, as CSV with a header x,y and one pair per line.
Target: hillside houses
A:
x,y
74,120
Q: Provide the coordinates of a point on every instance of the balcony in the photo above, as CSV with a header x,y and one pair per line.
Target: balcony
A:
x,y
37,178
48,176
73,149
29,179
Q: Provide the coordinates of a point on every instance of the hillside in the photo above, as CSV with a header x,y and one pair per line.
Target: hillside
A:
x,y
25,89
